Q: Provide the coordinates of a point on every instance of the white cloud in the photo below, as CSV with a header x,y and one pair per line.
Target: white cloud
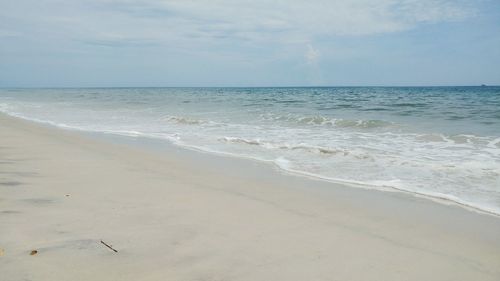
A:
x,y
312,55
169,21
231,30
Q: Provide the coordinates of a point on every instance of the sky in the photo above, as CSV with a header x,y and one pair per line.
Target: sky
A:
x,y
154,43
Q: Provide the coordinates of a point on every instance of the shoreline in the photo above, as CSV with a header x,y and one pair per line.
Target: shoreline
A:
x,y
189,216
439,198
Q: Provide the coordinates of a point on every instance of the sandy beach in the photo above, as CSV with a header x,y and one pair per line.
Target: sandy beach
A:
x,y
179,215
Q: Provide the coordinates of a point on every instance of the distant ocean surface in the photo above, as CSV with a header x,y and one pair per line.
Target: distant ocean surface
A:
x,y
441,142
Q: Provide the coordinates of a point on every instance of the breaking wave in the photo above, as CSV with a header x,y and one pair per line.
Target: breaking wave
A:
x,y
328,121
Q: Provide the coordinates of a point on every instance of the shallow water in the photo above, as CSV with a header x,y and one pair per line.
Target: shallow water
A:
x,y
438,141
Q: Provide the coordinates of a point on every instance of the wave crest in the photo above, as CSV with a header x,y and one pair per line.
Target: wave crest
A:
x,y
183,120
285,146
327,121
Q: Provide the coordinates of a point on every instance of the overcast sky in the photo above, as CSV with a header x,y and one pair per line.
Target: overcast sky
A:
x,y
67,43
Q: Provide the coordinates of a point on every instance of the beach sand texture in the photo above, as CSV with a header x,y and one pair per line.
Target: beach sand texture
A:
x,y
175,218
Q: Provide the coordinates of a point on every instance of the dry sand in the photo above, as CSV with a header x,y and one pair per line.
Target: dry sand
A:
x,y
190,216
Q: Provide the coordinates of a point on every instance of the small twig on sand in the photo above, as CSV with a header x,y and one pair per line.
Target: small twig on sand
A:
x,y
104,243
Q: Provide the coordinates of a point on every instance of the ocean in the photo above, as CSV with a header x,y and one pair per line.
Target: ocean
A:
x,y
440,142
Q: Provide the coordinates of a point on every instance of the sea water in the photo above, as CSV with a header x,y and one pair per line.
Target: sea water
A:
x,y
442,142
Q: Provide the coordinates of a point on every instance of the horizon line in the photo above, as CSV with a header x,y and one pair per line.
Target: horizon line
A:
x,y
243,87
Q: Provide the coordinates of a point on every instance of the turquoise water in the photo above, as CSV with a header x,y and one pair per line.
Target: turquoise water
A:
x,y
439,141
